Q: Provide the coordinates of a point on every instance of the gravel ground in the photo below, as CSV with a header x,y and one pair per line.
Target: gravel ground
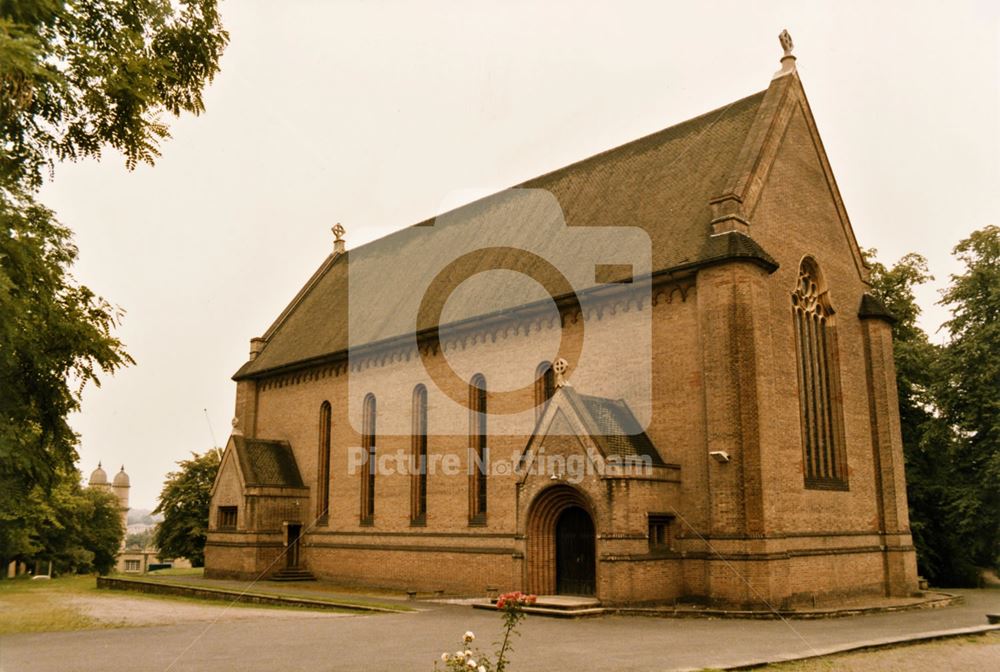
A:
x,y
136,610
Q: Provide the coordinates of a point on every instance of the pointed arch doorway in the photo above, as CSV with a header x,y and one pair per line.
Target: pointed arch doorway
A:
x,y
561,544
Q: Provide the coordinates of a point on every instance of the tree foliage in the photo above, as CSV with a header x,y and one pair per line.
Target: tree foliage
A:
x,y
55,336
949,398
140,541
75,76
969,394
78,529
184,503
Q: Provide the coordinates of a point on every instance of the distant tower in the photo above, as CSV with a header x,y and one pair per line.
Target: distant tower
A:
x,y
120,487
99,479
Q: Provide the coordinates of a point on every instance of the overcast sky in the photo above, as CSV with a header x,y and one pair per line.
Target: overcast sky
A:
x,y
374,114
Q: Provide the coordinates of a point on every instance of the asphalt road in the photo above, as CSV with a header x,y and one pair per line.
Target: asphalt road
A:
x,y
414,641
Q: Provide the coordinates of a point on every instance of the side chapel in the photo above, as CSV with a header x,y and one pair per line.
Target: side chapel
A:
x,y
772,449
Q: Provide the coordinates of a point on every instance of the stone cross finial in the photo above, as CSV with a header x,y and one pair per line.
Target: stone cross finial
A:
x,y
788,59
560,366
785,39
338,238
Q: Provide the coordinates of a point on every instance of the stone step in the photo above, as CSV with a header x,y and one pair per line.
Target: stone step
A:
x,y
293,575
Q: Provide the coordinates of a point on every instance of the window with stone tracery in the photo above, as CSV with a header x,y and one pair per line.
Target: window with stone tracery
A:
x,y
819,398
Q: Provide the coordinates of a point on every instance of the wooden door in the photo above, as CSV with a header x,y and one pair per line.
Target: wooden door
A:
x,y
575,557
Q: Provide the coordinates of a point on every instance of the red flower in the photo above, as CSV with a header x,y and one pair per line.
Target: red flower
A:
x,y
516,598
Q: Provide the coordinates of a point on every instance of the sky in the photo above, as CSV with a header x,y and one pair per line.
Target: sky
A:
x,y
378,115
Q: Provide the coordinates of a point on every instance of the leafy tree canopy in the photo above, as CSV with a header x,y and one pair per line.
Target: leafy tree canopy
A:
x,y
78,529
75,76
184,503
949,410
969,393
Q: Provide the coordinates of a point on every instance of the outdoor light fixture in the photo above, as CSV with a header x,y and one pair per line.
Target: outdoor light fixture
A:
x,y
720,456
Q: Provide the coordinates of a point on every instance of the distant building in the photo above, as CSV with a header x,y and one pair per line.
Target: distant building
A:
x,y
119,487
129,561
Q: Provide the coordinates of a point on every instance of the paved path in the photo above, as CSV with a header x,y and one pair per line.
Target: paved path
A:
x,y
415,640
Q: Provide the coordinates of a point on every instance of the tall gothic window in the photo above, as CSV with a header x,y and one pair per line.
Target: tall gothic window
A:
x,y
418,483
479,451
323,464
545,387
819,403
368,470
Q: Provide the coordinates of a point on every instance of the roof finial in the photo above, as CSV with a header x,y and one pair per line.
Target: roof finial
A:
x,y
560,366
788,59
338,240
786,42
236,427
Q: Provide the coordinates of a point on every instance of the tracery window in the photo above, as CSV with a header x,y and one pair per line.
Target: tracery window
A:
x,y
819,398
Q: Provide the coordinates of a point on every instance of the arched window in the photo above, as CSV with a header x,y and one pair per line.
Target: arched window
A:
x,y
479,451
545,387
819,398
418,482
368,471
323,464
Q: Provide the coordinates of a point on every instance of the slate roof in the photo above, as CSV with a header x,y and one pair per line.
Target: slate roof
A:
x,y
267,463
662,183
613,427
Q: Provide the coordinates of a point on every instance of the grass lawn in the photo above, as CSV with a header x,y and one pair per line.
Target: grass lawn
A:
x,y
48,605
39,606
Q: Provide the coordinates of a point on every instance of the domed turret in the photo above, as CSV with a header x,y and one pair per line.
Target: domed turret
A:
x,y
98,477
121,479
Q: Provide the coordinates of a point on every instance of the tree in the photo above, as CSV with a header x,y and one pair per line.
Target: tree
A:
x,y
969,393
184,504
949,410
54,338
75,76
78,529
140,541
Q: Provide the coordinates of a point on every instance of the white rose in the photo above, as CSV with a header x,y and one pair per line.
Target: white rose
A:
x,y
482,668
469,636
444,657
467,653
471,664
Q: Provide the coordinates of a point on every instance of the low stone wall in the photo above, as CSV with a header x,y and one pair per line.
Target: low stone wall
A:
x,y
158,588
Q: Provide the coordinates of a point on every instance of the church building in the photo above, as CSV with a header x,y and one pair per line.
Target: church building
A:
x,y
693,397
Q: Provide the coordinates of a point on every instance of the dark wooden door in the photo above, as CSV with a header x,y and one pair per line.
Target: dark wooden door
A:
x,y
292,557
575,567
